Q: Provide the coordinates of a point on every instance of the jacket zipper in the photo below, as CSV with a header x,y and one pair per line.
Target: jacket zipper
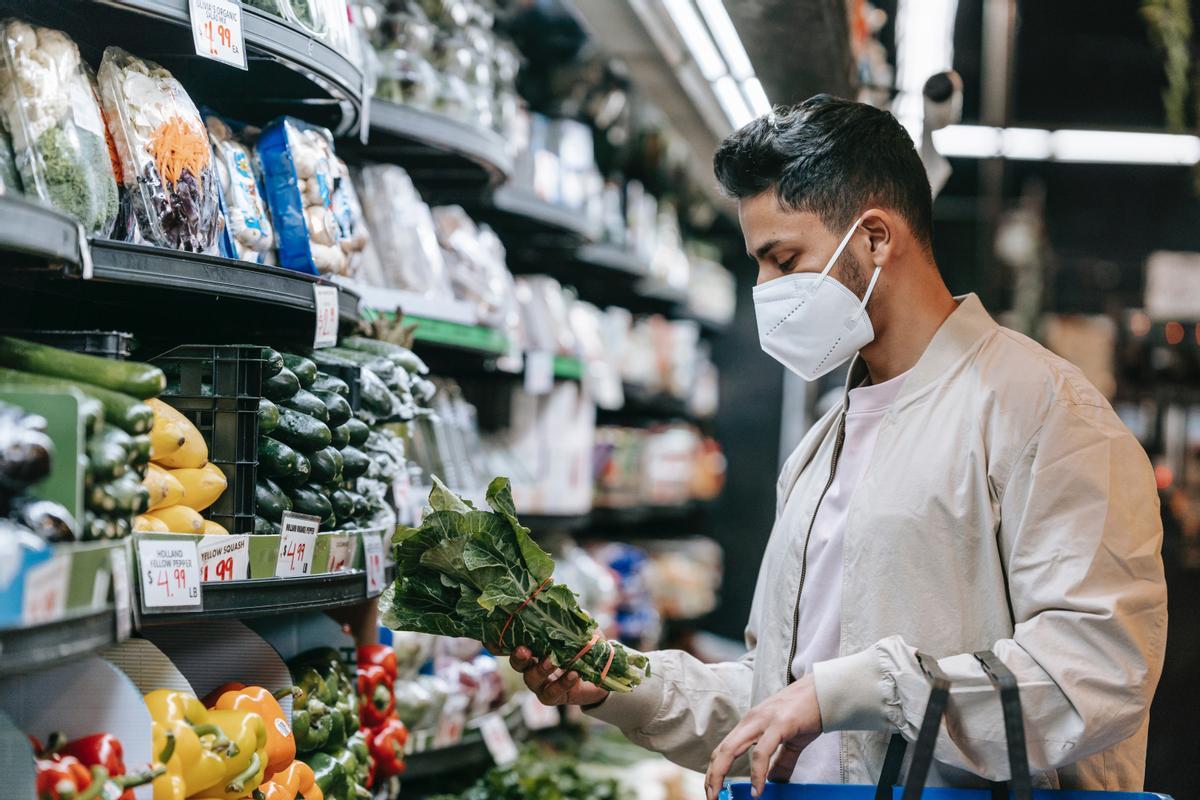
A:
x,y
833,461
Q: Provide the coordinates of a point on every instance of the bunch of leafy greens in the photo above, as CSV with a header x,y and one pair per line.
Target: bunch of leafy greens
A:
x,y
535,776
479,574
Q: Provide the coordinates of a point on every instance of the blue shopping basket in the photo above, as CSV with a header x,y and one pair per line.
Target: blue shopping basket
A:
x,y
1019,787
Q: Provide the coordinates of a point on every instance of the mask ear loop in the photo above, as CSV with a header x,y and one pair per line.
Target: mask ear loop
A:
x,y
862,309
837,253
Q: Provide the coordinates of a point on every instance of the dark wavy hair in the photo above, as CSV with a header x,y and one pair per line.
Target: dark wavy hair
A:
x,y
831,157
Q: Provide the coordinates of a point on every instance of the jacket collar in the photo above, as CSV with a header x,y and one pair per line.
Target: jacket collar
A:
x,y
965,326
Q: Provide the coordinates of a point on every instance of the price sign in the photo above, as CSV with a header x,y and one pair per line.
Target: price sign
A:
x,y
539,371
224,558
537,715
326,333
45,596
339,553
297,544
169,573
217,31
450,725
498,739
120,585
373,556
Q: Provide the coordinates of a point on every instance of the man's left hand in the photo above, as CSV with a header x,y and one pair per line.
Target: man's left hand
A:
x,y
788,721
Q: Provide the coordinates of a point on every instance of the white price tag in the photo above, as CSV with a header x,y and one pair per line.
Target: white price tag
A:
x,y
326,332
44,598
373,556
224,558
539,371
537,715
340,553
169,572
297,544
217,31
120,585
498,739
450,724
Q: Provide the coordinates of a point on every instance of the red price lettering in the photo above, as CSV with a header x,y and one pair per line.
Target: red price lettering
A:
x,y
164,582
225,569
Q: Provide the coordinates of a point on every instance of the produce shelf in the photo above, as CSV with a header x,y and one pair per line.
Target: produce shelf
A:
x,y
612,258
77,634
442,155
516,212
468,758
33,229
643,405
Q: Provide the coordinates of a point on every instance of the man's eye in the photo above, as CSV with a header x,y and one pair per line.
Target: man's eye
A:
x,y
786,266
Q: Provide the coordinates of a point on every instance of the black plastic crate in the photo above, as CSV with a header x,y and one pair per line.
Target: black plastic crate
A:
x,y
218,388
106,344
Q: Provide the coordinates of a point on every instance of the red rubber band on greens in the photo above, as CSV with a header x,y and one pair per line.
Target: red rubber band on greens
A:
x,y
612,651
521,608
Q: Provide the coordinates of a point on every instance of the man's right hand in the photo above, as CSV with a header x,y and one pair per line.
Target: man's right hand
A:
x,y
552,687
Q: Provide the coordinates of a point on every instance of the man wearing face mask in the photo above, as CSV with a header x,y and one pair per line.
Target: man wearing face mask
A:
x,y
973,492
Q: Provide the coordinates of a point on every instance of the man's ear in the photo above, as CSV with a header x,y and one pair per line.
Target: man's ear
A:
x,y
880,226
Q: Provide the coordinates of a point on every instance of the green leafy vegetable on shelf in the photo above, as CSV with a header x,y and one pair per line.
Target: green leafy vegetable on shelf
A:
x,y
479,574
539,775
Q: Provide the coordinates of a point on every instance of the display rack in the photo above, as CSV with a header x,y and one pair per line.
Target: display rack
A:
x,y
468,755
73,636
38,231
512,209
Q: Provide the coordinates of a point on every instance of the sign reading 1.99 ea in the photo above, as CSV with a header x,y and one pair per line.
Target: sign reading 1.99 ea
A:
x,y
297,544
217,31
169,573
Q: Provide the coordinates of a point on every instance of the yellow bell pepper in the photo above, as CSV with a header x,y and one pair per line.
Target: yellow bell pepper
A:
x,y
244,769
170,785
200,745
281,744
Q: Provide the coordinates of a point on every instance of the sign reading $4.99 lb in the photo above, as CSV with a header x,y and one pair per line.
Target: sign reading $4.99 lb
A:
x,y
169,573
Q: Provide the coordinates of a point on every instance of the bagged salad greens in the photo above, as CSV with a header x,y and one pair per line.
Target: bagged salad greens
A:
x,y
10,181
48,104
246,217
166,160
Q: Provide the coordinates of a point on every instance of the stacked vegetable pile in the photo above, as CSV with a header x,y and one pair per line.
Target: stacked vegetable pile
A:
x,y
327,725
117,421
181,480
479,574
26,453
386,734
536,774
92,766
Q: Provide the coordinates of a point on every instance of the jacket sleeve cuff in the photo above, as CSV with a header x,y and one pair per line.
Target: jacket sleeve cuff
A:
x,y
633,711
851,692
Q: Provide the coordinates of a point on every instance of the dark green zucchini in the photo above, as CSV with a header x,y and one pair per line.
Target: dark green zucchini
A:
x,y
280,386
329,383
380,365
376,397
124,495
306,402
343,503
400,356
299,475
269,500
127,413
302,432
303,368
268,416
339,410
108,454
276,459
272,362
327,466
98,526
139,449
355,463
340,436
265,527
126,377
358,432
309,500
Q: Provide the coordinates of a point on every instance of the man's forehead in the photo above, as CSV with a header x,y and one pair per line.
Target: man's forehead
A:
x,y
767,223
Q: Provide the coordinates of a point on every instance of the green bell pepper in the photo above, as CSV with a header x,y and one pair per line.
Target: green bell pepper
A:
x,y
329,775
357,745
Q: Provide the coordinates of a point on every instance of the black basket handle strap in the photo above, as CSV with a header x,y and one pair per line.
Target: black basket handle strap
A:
x,y
1014,726
890,775
935,709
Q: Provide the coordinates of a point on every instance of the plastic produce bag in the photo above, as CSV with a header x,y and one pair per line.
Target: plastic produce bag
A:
x,y
10,181
246,216
403,230
166,160
351,221
49,107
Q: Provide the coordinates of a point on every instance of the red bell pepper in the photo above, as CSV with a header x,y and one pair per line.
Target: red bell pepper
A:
x,y
380,654
376,701
60,777
387,747
104,750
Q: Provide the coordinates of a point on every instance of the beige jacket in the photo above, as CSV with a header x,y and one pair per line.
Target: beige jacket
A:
x,y
1005,506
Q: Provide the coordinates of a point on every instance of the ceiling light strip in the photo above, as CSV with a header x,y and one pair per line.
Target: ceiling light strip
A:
x,y
1067,145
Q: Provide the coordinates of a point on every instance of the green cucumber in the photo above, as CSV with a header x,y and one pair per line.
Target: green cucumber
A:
x,y
264,526
280,386
309,500
124,495
272,362
301,431
326,466
98,526
377,398
306,402
329,383
343,503
340,436
108,454
338,409
299,475
139,449
303,368
400,356
127,413
355,463
269,500
268,416
358,432
126,377
330,523
276,459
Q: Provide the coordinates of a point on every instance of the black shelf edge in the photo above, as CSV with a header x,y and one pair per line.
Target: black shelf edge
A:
x,y
39,231
613,258
266,596
517,210
469,754
28,649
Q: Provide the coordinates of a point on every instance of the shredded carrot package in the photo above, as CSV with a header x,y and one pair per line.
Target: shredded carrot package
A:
x,y
176,146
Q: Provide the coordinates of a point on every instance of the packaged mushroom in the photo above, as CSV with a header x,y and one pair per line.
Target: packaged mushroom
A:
x,y
48,106
301,176
166,160
246,216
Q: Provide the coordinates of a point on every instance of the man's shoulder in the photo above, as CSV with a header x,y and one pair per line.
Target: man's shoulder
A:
x,y
1016,371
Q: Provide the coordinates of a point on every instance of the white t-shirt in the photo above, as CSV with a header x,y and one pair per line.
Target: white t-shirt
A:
x,y
819,628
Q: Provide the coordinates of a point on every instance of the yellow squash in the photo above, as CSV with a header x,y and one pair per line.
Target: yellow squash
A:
x,y
193,454
214,528
144,523
179,519
201,487
165,489
166,436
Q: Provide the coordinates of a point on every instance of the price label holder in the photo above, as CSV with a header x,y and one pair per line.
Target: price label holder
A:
x,y
373,559
217,31
341,552
224,558
297,544
44,598
539,372
498,739
169,575
537,715
326,332
118,561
